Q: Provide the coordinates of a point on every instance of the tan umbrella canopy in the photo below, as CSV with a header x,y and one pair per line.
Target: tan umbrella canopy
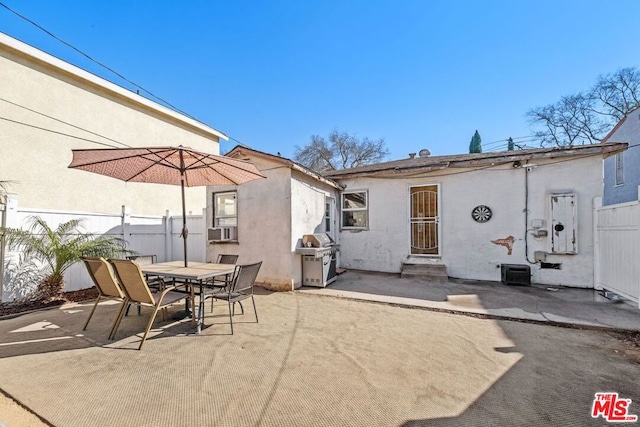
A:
x,y
166,165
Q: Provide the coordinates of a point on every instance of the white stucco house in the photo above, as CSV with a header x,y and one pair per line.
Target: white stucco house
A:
x,y
49,107
264,220
471,214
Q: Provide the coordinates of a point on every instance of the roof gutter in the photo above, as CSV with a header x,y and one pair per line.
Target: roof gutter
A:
x,y
320,178
605,150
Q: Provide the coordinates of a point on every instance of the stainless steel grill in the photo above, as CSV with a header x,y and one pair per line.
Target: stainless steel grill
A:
x,y
318,259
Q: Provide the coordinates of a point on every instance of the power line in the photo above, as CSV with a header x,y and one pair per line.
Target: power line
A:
x,y
76,127
62,121
56,132
239,142
163,101
97,62
507,139
520,145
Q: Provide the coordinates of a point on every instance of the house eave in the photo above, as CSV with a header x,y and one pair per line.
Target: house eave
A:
x,y
240,151
408,169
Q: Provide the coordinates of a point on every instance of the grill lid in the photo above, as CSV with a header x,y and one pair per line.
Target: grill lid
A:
x,y
318,240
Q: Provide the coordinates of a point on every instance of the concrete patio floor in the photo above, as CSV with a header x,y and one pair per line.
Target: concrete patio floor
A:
x,y
537,303
312,360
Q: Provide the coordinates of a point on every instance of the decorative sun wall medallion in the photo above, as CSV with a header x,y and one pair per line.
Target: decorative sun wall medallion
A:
x,y
481,213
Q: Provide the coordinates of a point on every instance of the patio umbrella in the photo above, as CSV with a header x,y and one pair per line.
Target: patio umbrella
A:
x,y
166,165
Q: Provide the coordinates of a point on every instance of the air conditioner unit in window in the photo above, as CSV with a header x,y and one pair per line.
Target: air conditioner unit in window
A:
x,y
222,234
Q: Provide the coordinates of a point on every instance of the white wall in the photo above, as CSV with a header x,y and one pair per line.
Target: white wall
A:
x,y
466,245
307,215
37,159
273,215
384,245
264,224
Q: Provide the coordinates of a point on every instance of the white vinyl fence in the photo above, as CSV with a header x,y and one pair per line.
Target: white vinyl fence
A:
x,y
146,235
617,248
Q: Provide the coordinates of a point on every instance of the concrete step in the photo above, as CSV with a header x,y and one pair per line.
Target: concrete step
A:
x,y
433,272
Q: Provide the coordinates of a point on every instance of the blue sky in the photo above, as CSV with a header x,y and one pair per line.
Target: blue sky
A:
x,y
420,74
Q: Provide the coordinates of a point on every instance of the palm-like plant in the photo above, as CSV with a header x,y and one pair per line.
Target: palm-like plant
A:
x,y
59,249
3,190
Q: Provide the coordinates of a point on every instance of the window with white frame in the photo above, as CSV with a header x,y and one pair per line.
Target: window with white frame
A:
x,y
327,216
355,209
225,209
619,169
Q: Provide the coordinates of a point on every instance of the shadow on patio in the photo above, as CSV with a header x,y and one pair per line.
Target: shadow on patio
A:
x,y
312,361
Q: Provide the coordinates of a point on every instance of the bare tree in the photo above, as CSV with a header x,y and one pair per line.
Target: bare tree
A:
x,y
618,93
340,151
584,118
570,121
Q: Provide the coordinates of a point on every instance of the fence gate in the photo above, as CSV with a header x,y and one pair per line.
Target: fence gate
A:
x,y
617,249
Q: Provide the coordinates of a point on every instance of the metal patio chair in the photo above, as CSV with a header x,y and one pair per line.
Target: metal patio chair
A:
x,y
223,259
143,259
227,259
239,289
222,283
137,292
155,283
106,283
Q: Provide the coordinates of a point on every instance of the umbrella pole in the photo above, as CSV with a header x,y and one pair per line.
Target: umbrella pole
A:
x,y
185,232
187,310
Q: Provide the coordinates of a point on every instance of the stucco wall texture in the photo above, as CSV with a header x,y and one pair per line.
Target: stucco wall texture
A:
x,y
273,214
466,245
49,111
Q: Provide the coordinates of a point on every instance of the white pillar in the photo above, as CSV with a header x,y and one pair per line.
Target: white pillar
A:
x,y
168,255
126,223
205,242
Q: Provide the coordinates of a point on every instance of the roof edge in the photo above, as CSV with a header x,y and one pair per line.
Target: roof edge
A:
x,y
59,64
286,162
496,159
613,130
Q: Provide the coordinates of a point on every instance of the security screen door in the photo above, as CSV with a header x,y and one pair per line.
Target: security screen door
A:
x,y
425,220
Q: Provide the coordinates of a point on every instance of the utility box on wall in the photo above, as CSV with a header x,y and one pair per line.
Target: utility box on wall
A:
x,y
516,274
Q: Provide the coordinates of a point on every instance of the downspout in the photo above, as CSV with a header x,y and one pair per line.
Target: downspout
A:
x,y
526,213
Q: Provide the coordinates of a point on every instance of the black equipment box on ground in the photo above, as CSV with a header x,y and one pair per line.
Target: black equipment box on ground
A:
x,y
516,274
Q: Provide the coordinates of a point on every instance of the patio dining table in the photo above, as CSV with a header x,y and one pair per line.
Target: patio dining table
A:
x,y
196,274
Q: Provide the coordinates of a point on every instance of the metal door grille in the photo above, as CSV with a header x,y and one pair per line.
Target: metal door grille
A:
x,y
424,221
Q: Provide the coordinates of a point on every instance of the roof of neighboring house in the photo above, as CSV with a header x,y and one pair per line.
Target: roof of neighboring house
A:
x,y
479,160
612,131
59,65
240,151
617,126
